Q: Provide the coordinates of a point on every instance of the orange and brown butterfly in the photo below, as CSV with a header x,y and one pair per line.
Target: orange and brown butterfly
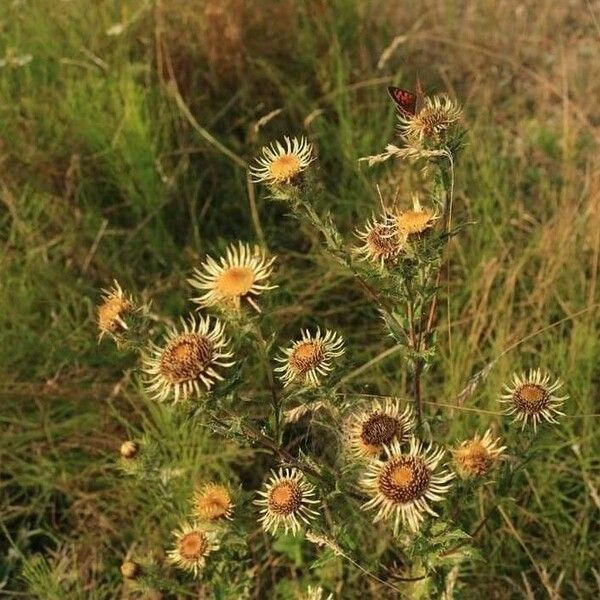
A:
x,y
408,103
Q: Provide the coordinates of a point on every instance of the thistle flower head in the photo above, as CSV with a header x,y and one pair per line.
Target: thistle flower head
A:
x,y
286,501
382,242
130,569
532,396
403,485
129,449
114,311
242,274
193,543
415,222
212,502
432,121
310,357
475,457
282,163
370,430
188,360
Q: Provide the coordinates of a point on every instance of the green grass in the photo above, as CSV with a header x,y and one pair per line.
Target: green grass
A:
x,y
102,175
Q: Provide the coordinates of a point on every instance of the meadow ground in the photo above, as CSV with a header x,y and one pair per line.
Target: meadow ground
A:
x,y
124,130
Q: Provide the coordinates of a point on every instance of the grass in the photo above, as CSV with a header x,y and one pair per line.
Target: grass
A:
x,y
106,170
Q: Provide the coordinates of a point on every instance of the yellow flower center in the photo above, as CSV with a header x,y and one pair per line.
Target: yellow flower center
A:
x,y
306,356
284,168
186,357
531,393
531,398
414,221
235,281
193,545
285,498
402,475
404,479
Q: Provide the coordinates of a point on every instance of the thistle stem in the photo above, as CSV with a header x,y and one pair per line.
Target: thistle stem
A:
x,y
446,182
275,403
417,392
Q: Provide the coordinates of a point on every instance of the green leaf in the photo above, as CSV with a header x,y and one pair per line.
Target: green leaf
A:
x,y
291,546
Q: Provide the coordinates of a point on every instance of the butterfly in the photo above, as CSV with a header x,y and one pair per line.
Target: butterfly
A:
x,y
406,102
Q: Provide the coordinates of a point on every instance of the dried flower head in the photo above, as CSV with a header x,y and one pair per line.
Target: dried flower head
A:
x,y
193,543
415,222
130,569
475,457
282,163
242,274
382,242
368,431
187,360
532,396
113,312
404,483
212,502
323,541
286,501
316,593
129,449
410,153
310,357
432,121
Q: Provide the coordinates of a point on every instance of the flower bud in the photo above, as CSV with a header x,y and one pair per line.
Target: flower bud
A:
x,y
129,450
130,569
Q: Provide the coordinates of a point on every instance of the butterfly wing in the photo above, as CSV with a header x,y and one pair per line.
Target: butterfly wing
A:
x,y
405,101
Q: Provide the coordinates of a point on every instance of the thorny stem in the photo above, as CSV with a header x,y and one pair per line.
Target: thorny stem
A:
x,y
333,246
327,542
284,456
448,187
417,391
269,444
497,505
379,580
410,308
275,402
447,183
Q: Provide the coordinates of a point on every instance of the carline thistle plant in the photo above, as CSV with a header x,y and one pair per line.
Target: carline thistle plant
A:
x,y
371,465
